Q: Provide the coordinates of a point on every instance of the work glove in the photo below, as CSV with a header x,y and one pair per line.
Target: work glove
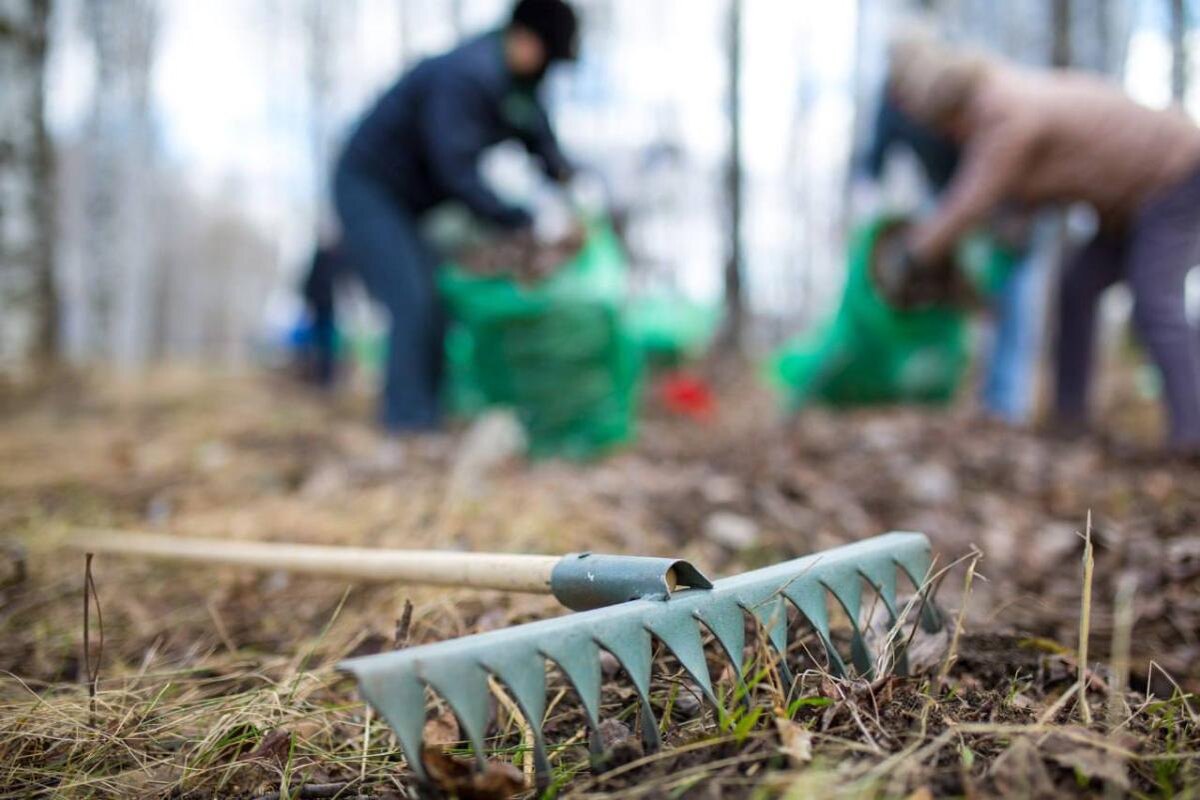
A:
x,y
514,218
562,174
907,283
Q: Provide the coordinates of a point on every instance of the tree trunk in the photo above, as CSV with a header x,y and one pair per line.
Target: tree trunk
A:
x,y
1060,55
734,295
121,237
1179,53
321,37
27,302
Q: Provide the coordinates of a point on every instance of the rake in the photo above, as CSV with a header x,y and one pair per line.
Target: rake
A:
x,y
623,602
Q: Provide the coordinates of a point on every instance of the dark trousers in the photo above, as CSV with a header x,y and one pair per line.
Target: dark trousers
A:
x,y
319,291
1154,255
381,243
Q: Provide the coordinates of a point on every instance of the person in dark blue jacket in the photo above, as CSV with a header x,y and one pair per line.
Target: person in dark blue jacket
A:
x,y
418,147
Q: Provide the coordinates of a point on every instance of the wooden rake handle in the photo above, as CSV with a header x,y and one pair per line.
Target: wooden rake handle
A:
x,y
501,571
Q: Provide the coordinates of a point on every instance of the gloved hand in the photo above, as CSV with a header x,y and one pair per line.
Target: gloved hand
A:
x,y
907,283
515,218
563,173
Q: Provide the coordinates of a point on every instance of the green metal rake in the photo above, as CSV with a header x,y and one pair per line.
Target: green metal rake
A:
x,y
623,602
394,683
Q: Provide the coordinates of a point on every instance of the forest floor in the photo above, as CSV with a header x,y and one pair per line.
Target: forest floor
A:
x,y
221,683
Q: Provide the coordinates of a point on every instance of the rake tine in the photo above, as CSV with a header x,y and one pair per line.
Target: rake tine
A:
x,y
809,598
917,567
579,659
524,676
632,650
882,578
727,622
859,656
401,698
457,669
465,689
681,635
651,739
771,614
846,585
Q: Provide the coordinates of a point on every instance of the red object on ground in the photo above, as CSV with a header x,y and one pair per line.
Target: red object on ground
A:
x,y
687,396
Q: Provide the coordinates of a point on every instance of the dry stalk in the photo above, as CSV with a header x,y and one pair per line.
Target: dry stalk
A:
x,y
1123,617
515,715
952,652
90,597
366,745
1085,620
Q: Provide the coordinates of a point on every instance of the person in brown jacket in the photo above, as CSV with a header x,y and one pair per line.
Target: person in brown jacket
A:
x,y
1036,138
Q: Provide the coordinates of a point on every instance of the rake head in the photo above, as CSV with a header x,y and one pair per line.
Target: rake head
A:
x,y
458,670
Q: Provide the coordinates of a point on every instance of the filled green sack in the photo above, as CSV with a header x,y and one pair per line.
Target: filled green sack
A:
x,y
557,352
670,329
869,353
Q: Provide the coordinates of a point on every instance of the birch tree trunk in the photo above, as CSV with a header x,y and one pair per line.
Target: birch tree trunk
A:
x,y
1179,53
120,232
733,278
1060,23
27,303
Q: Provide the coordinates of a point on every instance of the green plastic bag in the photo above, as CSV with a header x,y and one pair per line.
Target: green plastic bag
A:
x,y
869,353
670,329
558,352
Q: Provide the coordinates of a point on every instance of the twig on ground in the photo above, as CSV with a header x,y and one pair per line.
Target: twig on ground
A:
x,y
310,791
92,670
400,638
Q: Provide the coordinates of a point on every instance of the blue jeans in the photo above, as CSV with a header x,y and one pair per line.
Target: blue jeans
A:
x,y
1019,311
380,239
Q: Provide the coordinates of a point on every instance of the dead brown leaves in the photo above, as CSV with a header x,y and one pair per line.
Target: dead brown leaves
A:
x,y
496,781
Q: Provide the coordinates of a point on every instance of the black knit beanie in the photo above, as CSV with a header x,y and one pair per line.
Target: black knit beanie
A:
x,y
553,22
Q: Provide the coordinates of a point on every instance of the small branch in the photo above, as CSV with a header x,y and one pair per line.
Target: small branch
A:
x,y
91,669
400,638
311,791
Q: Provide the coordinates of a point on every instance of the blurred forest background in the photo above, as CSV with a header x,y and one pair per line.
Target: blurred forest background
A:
x,y
163,163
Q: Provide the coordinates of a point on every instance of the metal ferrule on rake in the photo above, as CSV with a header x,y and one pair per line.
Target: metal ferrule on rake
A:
x,y
458,670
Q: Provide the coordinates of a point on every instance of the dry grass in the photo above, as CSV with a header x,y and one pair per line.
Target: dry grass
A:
x,y
219,683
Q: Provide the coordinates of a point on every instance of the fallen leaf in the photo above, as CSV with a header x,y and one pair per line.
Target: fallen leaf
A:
x,y
442,730
795,741
1020,772
1091,761
273,747
1183,558
618,743
458,777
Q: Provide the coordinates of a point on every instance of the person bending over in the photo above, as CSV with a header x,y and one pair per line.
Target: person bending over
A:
x,y
418,147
